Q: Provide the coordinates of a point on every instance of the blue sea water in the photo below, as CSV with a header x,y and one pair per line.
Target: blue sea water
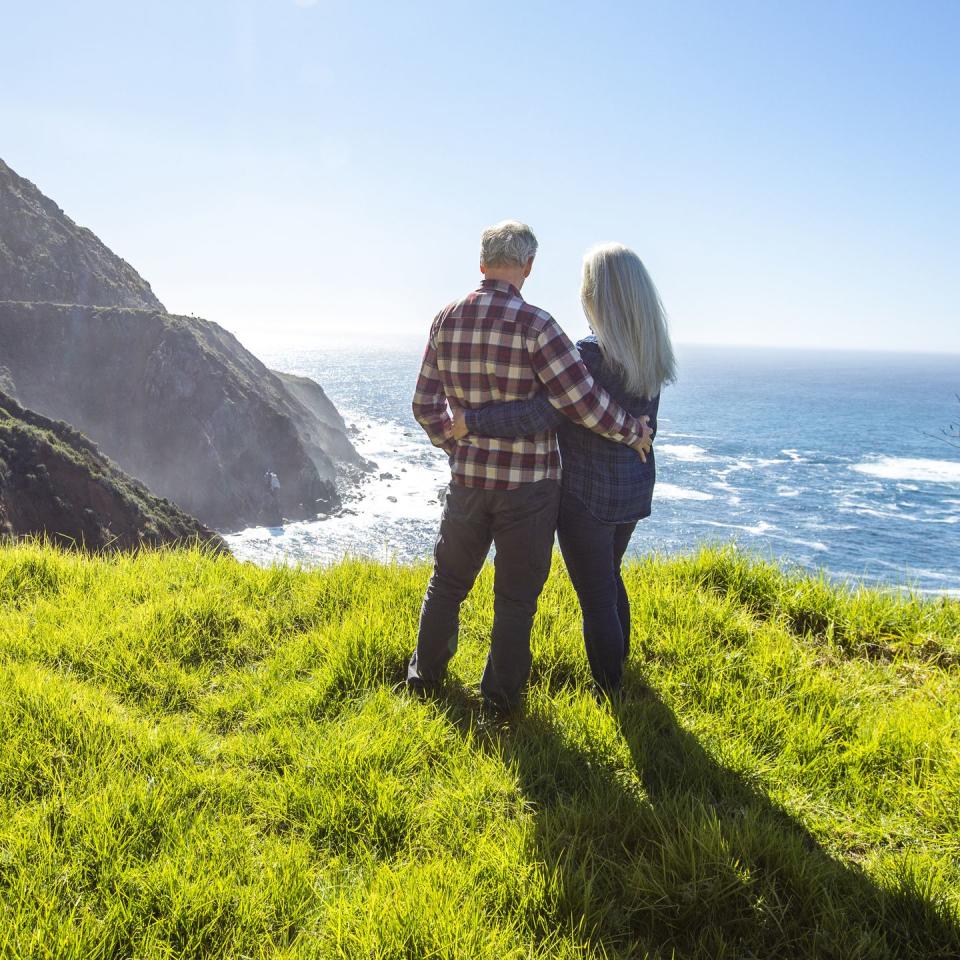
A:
x,y
822,460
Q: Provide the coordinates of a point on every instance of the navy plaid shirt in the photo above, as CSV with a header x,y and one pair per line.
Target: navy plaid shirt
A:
x,y
611,480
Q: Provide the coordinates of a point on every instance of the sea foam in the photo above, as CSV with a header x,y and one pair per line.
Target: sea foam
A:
x,y
687,452
670,491
907,468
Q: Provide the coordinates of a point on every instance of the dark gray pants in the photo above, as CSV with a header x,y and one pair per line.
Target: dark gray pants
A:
x,y
521,524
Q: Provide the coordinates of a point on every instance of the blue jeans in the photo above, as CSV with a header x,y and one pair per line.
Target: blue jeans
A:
x,y
593,551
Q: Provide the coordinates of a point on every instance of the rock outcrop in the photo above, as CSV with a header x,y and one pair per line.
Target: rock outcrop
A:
x,y
45,256
176,402
54,482
323,427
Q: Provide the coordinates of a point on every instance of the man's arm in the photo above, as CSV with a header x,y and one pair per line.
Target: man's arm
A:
x,y
572,390
430,401
514,418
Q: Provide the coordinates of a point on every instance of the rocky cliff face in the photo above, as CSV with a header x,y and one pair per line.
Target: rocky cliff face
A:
x,y
55,482
45,256
178,403
323,428
175,401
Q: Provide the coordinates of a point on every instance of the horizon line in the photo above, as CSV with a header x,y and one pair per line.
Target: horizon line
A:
x,y
398,337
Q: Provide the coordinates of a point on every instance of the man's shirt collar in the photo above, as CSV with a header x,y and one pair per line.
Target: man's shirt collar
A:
x,y
504,286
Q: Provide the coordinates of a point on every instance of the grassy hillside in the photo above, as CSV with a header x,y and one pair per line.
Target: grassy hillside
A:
x,y
204,759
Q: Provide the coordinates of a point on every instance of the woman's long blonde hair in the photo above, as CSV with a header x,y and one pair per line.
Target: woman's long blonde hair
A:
x,y
626,314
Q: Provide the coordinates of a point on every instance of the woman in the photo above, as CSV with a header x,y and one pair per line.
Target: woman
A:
x,y
607,488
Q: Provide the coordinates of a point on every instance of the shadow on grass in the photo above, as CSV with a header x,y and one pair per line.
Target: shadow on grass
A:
x,y
687,858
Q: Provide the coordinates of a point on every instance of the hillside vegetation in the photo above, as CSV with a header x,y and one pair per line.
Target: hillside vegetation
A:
x,y
54,481
200,758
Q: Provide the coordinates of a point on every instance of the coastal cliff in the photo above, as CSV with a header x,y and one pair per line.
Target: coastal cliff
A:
x,y
175,401
54,482
178,403
44,255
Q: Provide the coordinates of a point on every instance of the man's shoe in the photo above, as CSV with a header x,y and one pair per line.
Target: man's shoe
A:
x,y
495,713
412,688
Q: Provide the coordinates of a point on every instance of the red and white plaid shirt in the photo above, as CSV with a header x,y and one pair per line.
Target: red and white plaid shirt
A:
x,y
493,346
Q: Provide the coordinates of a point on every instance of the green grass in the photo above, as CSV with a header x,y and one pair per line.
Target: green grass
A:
x,y
200,758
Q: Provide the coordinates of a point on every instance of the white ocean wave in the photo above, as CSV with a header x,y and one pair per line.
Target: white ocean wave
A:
x,y
733,495
819,524
769,531
911,468
752,463
893,511
817,545
686,452
881,512
670,491
756,530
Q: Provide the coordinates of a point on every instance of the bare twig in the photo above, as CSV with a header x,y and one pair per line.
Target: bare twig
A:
x,y
950,435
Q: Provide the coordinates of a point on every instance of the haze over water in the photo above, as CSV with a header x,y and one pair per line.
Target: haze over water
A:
x,y
816,459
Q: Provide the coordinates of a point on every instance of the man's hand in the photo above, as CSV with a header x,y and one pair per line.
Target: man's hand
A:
x,y
459,420
644,444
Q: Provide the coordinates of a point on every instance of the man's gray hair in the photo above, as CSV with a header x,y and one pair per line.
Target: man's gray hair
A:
x,y
509,243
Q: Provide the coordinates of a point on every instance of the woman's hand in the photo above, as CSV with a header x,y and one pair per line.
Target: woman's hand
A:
x,y
459,420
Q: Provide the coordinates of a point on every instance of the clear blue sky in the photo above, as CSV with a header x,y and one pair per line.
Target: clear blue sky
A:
x,y
299,169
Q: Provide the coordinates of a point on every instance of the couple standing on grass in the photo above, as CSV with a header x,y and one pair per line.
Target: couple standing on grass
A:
x,y
500,384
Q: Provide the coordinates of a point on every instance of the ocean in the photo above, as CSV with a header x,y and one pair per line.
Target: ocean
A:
x,y
819,460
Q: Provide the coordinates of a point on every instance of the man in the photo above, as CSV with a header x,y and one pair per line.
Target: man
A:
x,y
493,346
